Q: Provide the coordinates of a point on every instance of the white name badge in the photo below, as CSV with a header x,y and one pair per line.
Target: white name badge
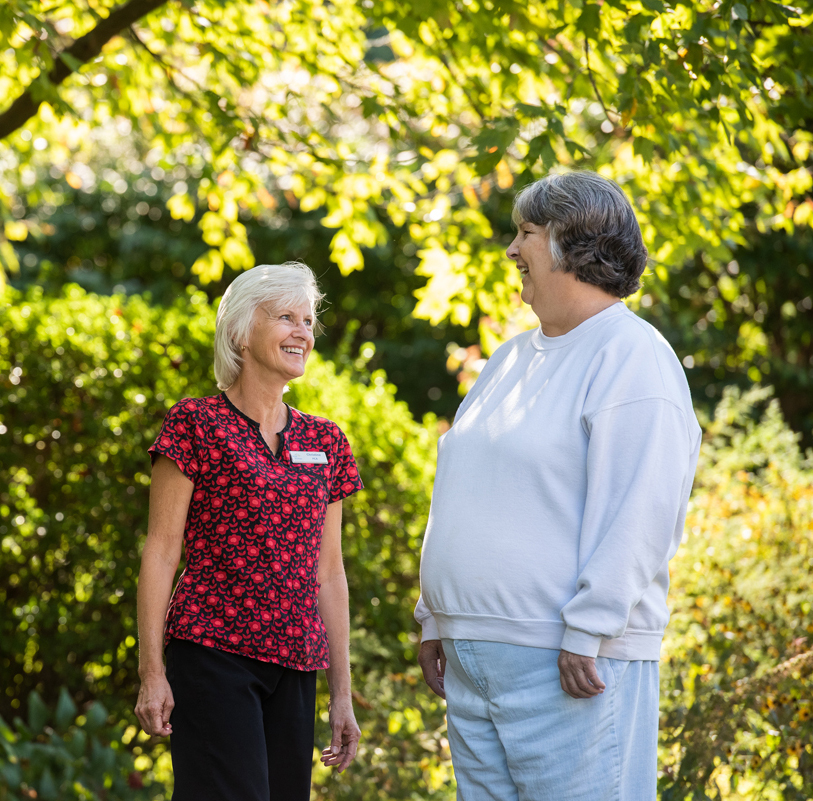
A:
x,y
308,457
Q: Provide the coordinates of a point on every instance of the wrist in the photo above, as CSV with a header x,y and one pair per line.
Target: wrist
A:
x,y
341,696
151,672
581,643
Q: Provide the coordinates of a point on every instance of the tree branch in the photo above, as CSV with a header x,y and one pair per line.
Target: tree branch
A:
x,y
82,50
593,82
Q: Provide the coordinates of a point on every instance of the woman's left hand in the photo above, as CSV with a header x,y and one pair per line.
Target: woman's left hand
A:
x,y
346,734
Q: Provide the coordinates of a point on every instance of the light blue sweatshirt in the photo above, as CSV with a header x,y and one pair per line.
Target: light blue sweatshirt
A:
x,y
561,493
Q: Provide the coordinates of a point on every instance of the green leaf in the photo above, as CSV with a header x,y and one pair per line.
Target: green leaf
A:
x,y
643,147
65,709
42,90
345,253
589,21
11,773
102,757
532,112
77,742
739,11
486,164
370,107
37,712
209,266
74,63
48,788
237,254
496,135
788,11
491,143
557,127
575,148
540,148
96,716
181,207
694,56
9,262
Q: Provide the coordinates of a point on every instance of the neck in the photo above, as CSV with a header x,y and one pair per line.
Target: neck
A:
x,y
573,309
260,398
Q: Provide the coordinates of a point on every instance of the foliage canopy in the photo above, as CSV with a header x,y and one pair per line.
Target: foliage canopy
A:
x,y
415,110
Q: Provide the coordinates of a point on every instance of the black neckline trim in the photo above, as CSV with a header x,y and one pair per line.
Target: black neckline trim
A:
x,y
256,425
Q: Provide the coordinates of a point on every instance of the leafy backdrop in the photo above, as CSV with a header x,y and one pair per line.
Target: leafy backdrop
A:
x,y
86,382
151,150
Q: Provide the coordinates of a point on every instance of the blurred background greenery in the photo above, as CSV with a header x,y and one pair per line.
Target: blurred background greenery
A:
x,y
150,151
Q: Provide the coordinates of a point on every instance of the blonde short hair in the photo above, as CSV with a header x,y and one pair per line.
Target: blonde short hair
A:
x,y
277,285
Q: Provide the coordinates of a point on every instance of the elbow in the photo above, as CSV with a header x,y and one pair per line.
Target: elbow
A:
x,y
167,557
333,577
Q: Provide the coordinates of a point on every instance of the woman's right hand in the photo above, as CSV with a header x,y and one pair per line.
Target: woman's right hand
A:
x,y
433,664
155,704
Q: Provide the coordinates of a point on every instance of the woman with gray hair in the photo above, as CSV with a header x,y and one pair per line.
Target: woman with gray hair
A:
x,y
560,496
252,489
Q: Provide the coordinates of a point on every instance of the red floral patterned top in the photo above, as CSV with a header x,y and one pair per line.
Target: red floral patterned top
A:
x,y
253,530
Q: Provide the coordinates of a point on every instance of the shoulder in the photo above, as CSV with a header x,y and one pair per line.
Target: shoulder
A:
x,y
633,361
501,362
196,405
513,345
192,416
507,353
316,426
193,408
627,337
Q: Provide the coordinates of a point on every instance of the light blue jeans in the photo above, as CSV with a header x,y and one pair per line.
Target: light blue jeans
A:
x,y
515,735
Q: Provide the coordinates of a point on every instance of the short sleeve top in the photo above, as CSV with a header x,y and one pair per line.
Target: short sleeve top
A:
x,y
254,529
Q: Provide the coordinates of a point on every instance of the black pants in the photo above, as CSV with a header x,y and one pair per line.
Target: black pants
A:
x,y
242,729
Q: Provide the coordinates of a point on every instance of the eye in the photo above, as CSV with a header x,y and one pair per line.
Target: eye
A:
x,y
309,322
285,317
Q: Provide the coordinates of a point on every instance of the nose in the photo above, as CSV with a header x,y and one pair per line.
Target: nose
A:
x,y
513,249
303,331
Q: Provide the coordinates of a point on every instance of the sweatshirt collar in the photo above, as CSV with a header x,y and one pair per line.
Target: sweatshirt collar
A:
x,y
542,342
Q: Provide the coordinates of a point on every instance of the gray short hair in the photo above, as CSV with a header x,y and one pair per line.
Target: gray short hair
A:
x,y
277,285
591,226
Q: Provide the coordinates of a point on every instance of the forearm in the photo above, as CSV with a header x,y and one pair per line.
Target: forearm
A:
x,y
639,466
154,590
333,608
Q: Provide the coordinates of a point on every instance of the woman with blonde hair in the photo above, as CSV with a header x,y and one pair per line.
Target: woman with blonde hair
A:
x,y
252,488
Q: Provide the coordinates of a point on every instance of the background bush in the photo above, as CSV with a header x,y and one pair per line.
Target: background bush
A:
x,y
86,382
58,755
738,675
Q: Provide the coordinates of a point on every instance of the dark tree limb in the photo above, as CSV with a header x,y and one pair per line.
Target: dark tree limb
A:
x,y
593,84
82,50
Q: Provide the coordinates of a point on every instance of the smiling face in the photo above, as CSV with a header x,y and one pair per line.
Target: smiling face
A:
x,y
540,281
281,341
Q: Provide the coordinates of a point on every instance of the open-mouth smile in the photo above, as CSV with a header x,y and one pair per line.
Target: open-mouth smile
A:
x,y
297,351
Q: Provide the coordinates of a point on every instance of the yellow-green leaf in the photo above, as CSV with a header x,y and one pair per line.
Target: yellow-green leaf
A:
x,y
345,253
209,266
181,207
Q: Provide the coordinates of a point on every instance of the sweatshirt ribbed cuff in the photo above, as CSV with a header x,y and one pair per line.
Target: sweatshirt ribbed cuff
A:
x,y
580,642
429,629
